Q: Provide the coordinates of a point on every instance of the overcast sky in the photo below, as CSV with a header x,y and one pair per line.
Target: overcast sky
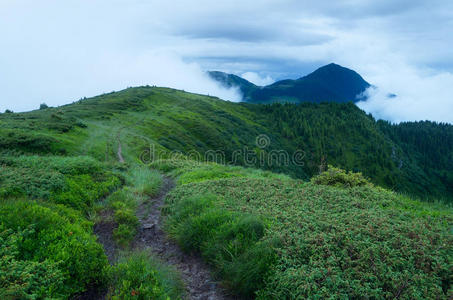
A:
x,y
59,51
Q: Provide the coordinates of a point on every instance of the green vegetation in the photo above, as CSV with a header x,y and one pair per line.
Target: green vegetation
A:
x,y
21,279
140,276
144,180
340,178
229,241
43,235
123,204
286,239
155,123
74,181
266,230
392,156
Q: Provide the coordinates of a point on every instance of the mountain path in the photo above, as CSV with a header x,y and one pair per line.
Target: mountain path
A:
x,y
194,272
119,152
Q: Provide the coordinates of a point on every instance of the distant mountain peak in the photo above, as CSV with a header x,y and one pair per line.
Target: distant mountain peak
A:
x,y
329,83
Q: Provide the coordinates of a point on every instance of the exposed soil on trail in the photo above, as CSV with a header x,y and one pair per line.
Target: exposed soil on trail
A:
x,y
151,237
119,152
104,232
194,272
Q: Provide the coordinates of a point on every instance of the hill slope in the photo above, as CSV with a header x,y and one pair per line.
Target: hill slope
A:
x,y
231,80
265,235
171,120
330,83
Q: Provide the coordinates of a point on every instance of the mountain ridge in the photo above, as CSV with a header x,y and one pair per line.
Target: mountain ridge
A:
x,y
329,83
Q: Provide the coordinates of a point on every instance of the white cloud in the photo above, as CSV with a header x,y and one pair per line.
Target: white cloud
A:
x,y
58,51
418,98
255,78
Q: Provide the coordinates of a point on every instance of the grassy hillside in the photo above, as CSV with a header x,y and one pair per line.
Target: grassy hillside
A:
x,y
312,136
280,238
270,232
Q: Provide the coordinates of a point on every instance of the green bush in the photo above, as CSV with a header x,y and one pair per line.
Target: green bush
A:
x,y
326,242
74,181
70,165
81,191
26,141
24,279
123,203
59,236
126,216
340,178
124,234
231,242
127,226
188,171
123,198
140,276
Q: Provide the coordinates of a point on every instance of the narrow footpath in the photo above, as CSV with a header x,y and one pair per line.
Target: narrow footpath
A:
x,y
194,272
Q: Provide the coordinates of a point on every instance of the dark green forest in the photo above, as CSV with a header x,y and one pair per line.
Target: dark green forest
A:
x,y
411,157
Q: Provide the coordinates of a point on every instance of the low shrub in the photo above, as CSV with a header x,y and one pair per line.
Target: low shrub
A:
x,y
25,279
189,171
26,141
327,242
123,198
231,242
340,178
126,216
124,234
127,226
123,202
59,236
141,276
71,165
74,181
81,191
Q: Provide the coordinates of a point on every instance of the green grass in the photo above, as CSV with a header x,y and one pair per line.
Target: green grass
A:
x,y
141,276
144,180
320,241
172,121
229,241
263,232
187,171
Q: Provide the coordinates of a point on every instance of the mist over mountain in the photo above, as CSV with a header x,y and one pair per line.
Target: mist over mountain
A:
x,y
330,83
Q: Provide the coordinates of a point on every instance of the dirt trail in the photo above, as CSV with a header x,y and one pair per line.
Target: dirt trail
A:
x,y
151,237
120,151
194,272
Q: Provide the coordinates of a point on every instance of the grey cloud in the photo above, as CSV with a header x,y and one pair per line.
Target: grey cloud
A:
x,y
277,68
291,34
57,51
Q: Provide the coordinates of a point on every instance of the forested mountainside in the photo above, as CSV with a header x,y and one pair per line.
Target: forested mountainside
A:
x,y
330,83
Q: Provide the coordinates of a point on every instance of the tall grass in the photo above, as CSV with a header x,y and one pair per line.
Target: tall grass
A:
x,y
142,276
144,180
231,242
